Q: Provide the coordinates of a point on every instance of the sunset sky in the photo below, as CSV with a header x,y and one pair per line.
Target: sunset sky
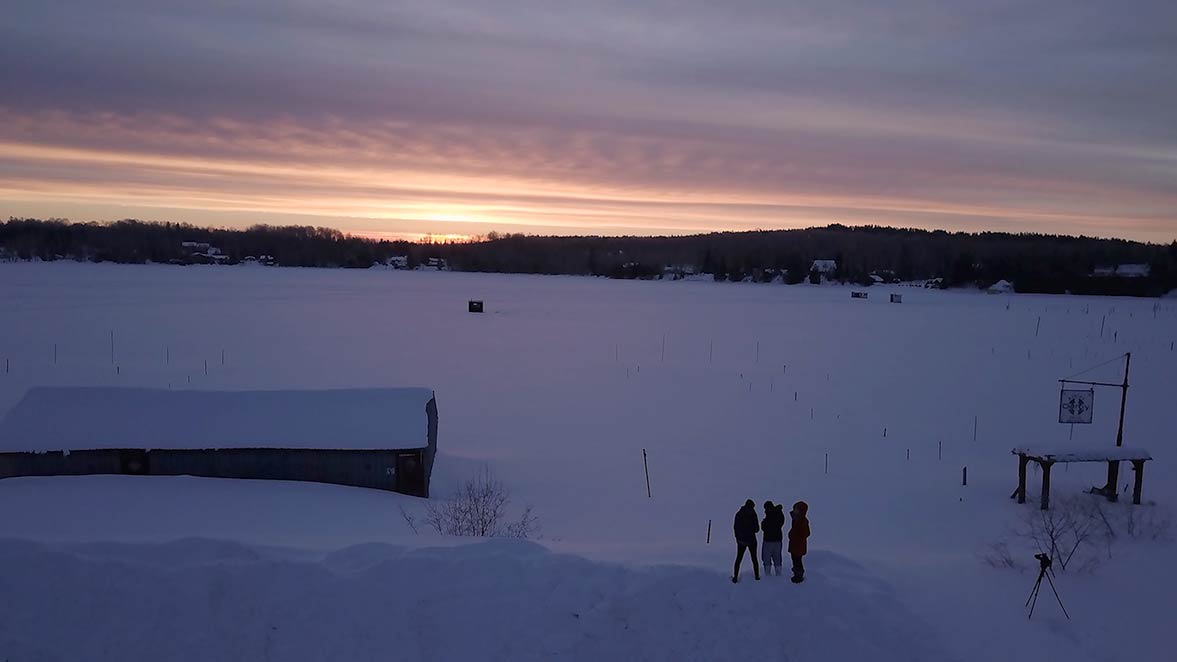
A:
x,y
390,118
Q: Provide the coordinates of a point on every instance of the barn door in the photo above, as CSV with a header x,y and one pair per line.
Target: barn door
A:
x,y
410,474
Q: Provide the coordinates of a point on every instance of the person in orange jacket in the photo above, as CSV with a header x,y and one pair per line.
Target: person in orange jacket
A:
x,y
798,533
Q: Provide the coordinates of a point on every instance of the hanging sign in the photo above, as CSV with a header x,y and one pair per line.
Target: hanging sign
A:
x,y
1075,406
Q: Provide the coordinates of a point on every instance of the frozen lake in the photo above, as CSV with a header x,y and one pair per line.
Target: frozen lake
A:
x,y
867,410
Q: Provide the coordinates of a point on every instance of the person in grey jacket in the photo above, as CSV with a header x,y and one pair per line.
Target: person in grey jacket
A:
x,y
773,528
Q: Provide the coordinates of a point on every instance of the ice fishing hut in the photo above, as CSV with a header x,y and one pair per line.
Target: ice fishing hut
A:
x,y
382,438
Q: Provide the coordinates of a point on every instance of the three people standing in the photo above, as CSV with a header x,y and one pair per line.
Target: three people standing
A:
x,y
745,528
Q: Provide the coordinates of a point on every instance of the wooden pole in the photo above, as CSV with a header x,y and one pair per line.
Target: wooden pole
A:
x,y
1022,462
827,463
1045,505
1123,400
1138,468
939,450
1038,326
1111,490
708,532
646,465
974,429
222,357
964,476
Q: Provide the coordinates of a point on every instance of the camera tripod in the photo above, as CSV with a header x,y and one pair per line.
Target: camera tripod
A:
x,y
1044,563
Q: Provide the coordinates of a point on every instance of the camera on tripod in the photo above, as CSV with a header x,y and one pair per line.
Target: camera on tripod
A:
x,y
1044,563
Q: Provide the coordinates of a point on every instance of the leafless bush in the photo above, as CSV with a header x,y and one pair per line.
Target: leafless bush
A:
x,y
479,507
409,519
1144,522
1079,532
998,555
1071,532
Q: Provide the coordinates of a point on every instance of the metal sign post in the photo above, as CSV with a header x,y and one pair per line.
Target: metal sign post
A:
x,y
1075,406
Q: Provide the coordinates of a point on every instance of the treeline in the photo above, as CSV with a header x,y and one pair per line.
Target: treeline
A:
x,y
136,242
1033,262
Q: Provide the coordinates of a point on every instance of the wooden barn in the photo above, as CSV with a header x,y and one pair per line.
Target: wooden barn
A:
x,y
382,438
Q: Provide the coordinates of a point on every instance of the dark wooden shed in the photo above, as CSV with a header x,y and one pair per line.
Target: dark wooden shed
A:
x,y
382,438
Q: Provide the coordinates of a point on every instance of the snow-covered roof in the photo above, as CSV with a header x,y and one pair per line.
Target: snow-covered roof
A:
x,y
1133,270
1084,454
1001,286
81,418
824,266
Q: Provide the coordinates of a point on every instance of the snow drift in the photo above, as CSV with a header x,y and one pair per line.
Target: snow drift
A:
x,y
199,599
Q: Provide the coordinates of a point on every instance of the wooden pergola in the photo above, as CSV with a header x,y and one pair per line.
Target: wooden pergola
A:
x,y
1113,456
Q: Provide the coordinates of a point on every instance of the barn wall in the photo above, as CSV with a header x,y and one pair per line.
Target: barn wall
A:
x,y
373,469
431,450
57,463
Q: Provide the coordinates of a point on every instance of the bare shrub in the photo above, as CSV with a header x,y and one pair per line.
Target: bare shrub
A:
x,y
1145,522
997,555
1072,532
479,507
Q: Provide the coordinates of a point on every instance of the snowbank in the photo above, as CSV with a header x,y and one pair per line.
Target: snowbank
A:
x,y
499,600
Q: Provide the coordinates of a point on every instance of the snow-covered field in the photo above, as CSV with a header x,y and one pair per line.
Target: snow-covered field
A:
x,y
865,409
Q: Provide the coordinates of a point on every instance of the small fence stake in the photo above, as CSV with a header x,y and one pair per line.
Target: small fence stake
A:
x,y
646,465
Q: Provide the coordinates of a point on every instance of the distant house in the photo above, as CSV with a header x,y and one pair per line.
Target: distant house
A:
x,y
1122,271
1001,287
821,270
1133,270
436,263
677,271
824,267
196,246
379,438
398,262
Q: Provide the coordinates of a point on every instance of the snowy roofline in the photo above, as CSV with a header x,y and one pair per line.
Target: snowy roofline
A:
x,y
92,418
1084,454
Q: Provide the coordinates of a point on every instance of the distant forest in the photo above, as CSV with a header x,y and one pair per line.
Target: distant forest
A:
x,y
864,255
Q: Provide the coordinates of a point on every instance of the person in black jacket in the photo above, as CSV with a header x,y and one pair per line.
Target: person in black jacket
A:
x,y
746,526
773,527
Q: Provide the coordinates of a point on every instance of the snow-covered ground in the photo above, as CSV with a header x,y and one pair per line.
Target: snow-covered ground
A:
x,y
735,391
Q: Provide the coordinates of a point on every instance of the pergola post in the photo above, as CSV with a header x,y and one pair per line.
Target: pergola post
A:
x,y
1046,465
1138,467
1022,462
1111,490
